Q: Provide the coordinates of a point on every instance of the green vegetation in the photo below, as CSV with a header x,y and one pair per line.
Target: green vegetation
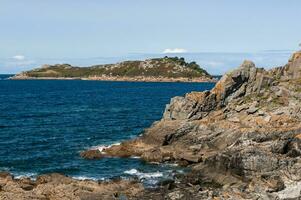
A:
x,y
170,67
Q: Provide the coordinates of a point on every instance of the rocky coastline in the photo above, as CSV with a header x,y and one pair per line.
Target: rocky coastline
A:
x,y
243,136
241,140
167,69
120,78
57,186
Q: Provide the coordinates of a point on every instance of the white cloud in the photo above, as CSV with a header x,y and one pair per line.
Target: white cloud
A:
x,y
175,50
19,57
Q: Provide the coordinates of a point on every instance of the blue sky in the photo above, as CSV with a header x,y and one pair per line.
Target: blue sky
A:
x,y
34,32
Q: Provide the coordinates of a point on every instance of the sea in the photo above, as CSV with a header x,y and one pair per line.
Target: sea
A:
x,y
45,124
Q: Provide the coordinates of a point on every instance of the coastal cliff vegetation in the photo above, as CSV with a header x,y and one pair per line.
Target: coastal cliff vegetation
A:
x,y
167,67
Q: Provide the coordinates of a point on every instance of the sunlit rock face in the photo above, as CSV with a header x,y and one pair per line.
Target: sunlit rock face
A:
x,y
244,133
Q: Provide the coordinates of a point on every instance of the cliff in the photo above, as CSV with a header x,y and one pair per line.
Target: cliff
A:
x,y
242,139
155,70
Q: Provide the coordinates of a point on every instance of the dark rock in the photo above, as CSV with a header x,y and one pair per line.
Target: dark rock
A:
x,y
294,148
274,183
91,154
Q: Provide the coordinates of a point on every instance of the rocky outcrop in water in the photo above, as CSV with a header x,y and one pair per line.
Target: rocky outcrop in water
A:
x,y
243,137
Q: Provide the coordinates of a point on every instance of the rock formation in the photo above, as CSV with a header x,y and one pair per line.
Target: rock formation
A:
x,y
167,69
243,137
60,187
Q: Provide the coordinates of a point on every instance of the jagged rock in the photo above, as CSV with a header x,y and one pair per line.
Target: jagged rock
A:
x,y
274,183
244,135
234,119
154,155
261,113
294,147
241,107
267,118
175,195
252,110
278,112
91,154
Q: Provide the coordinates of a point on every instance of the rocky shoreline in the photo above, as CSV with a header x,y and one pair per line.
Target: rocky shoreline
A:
x,y
244,136
121,78
167,69
241,140
56,186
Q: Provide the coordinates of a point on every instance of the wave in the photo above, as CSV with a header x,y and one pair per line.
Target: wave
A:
x,y
32,176
87,178
101,148
135,157
142,175
148,179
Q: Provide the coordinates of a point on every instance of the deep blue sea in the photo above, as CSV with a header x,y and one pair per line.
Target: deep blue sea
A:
x,y
44,124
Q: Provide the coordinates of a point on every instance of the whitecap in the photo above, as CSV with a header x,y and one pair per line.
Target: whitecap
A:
x,y
151,175
135,157
87,178
102,148
26,175
131,171
142,175
171,164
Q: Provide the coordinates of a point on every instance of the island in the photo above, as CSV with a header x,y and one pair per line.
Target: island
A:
x,y
167,69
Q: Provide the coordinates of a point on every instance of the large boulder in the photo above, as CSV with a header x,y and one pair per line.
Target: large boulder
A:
x,y
233,85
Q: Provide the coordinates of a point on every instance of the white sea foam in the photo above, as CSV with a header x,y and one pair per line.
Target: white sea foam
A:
x,y
86,178
172,164
26,175
101,148
135,157
131,171
141,175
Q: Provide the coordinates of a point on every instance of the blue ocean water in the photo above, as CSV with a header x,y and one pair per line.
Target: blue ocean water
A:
x,y
44,124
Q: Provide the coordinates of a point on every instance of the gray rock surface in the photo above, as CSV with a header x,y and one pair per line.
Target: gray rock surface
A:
x,y
244,136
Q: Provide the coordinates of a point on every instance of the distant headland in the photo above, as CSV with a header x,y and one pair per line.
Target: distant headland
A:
x,y
167,69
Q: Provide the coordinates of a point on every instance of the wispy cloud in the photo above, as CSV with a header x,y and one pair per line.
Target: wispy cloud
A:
x,y
175,50
18,57
16,64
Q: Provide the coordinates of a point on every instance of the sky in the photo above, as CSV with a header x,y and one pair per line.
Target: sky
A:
x,y
86,32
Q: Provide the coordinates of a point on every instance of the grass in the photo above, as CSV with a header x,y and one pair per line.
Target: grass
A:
x,y
171,67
